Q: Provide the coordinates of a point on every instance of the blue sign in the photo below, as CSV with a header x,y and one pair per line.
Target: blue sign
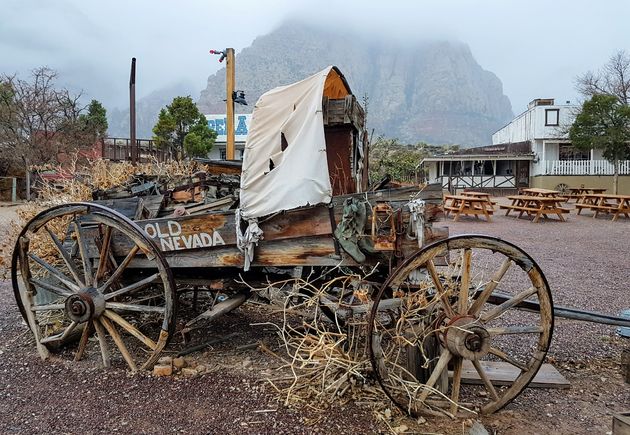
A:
x,y
218,123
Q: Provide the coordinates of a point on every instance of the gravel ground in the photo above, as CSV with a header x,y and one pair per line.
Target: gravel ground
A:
x,y
587,264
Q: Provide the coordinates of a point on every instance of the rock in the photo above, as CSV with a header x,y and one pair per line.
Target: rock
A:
x,y
478,429
401,429
247,363
179,363
188,371
165,360
163,370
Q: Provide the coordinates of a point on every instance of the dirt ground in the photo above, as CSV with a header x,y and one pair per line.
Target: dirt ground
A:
x,y
586,261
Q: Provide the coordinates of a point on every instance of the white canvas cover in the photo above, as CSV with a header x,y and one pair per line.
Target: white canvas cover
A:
x,y
300,173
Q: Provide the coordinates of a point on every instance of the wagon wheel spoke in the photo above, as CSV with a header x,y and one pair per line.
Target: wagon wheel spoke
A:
x,y
120,269
131,329
66,258
59,291
441,292
490,287
413,342
85,335
119,343
457,382
83,251
55,272
104,255
102,342
133,287
441,365
60,336
510,303
133,307
515,330
462,306
486,381
47,307
507,358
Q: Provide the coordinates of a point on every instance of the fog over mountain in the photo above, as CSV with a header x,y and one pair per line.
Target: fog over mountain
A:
x,y
432,91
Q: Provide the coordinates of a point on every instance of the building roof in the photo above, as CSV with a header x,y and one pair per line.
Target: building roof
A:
x,y
505,151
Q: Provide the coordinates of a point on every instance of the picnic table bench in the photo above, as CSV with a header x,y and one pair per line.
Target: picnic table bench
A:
x,y
578,192
537,191
606,203
536,205
467,205
484,195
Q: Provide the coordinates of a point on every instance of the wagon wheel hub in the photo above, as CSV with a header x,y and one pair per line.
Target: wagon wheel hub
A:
x,y
85,305
467,338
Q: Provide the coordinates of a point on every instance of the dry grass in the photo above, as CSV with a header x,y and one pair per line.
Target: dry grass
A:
x,y
78,186
324,362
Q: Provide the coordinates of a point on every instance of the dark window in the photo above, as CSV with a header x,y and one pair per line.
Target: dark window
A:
x,y
552,117
569,152
223,153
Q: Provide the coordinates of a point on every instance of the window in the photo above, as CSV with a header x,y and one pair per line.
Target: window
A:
x,y
552,117
569,152
223,154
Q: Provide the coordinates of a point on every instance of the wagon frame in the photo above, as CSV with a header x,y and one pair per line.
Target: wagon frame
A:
x,y
434,303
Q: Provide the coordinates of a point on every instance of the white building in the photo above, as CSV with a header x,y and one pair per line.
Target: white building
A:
x,y
532,150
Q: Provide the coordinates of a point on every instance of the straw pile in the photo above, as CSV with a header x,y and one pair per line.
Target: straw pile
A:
x,y
77,185
326,359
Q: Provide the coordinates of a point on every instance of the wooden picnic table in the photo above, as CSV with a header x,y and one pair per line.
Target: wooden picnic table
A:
x,y
467,205
578,192
537,191
605,203
484,195
586,190
536,205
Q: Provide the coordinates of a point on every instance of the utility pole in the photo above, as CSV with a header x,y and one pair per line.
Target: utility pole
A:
x,y
132,112
228,54
229,89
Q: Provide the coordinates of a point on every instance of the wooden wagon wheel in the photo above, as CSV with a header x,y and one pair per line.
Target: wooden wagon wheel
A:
x,y
72,277
432,322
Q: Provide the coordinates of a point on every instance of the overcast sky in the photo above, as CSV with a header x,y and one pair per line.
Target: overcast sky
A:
x,y
535,47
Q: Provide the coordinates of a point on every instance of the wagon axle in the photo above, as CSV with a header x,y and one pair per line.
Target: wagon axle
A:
x,y
465,338
88,304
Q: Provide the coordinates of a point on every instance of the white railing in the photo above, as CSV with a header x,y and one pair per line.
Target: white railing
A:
x,y
478,181
584,167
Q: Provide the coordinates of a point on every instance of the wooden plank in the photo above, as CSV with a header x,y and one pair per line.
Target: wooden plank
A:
x,y
214,230
503,373
621,423
151,206
304,251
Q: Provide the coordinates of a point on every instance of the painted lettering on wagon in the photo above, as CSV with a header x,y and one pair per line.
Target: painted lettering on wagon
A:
x,y
171,238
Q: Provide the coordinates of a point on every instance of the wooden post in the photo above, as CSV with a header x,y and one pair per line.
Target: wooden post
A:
x,y
229,82
132,112
14,190
625,364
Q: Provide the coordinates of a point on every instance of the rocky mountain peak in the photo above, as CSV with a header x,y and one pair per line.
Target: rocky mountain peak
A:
x,y
431,91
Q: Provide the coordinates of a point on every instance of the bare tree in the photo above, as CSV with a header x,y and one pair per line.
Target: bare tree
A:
x,y
612,79
38,121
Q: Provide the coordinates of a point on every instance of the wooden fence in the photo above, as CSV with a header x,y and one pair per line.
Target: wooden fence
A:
x,y
119,149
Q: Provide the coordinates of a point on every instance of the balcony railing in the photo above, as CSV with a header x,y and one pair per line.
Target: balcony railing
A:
x,y
583,167
116,148
478,181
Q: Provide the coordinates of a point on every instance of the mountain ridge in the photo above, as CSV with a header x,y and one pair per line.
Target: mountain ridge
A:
x,y
430,91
